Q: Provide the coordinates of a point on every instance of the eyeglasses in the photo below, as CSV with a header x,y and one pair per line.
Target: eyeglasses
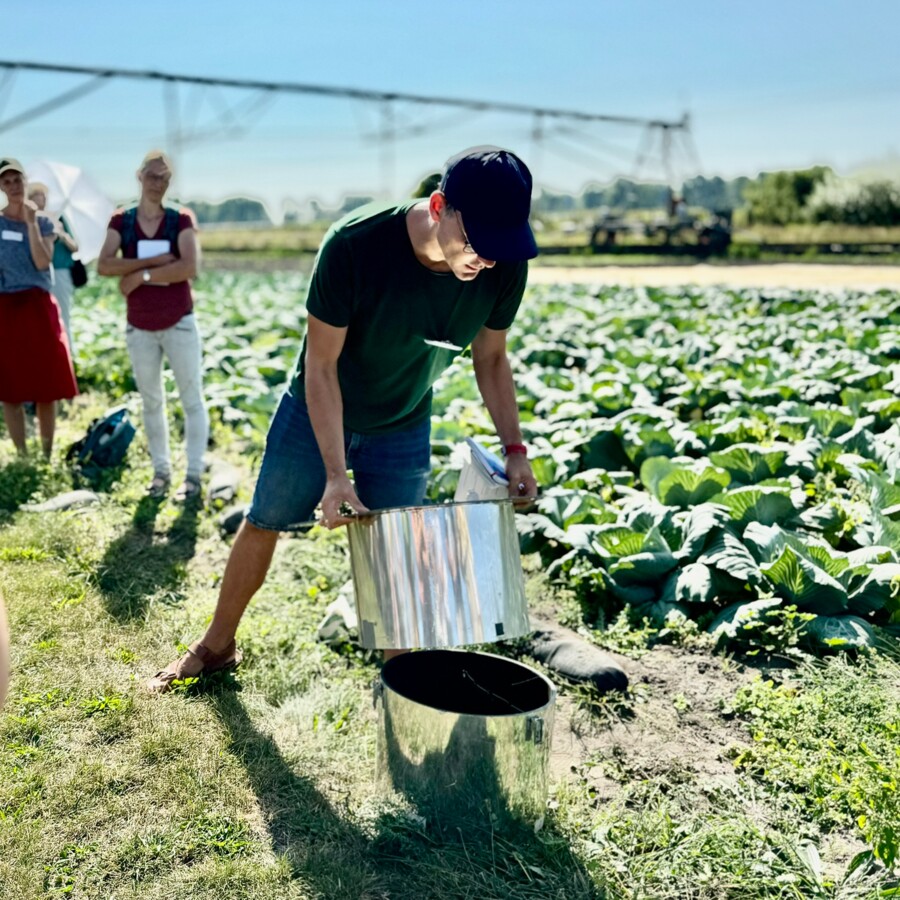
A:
x,y
467,247
157,177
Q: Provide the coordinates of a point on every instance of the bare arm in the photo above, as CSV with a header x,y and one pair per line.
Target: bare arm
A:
x,y
40,247
110,263
326,412
169,269
166,268
65,238
495,382
185,267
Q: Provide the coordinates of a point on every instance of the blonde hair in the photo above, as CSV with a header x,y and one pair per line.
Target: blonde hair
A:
x,y
156,156
37,187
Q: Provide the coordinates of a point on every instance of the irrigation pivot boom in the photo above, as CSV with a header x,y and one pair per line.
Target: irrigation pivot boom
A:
x,y
553,128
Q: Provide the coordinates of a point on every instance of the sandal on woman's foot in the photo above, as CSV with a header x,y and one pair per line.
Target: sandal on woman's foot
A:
x,y
189,490
159,487
198,659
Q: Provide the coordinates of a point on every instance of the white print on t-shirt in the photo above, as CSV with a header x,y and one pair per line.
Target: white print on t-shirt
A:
x,y
12,235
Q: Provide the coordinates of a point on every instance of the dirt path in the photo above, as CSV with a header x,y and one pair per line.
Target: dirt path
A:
x,y
675,721
784,275
779,275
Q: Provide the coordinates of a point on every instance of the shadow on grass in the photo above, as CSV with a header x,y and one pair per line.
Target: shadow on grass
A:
x,y
394,857
141,562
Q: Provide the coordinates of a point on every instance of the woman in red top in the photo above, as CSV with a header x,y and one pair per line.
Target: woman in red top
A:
x,y
35,364
159,255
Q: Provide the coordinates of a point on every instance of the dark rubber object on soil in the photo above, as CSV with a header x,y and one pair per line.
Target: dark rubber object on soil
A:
x,y
578,660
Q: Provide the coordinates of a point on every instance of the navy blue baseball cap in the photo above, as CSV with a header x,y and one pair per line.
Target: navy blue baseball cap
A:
x,y
491,189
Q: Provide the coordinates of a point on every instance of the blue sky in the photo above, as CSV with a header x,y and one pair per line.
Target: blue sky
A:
x,y
767,84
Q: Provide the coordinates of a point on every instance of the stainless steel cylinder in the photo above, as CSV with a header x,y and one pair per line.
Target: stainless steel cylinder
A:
x,y
465,735
438,576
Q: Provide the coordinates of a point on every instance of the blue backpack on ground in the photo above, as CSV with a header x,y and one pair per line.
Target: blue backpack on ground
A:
x,y
105,444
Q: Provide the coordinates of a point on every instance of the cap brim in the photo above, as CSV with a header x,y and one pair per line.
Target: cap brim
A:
x,y
502,244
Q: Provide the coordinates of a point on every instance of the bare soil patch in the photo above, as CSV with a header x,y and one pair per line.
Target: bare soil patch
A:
x,y
675,724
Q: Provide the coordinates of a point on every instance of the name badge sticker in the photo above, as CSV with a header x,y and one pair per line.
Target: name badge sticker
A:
x,y
10,235
147,249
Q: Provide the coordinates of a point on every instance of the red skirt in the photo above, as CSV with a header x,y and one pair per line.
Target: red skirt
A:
x,y
35,363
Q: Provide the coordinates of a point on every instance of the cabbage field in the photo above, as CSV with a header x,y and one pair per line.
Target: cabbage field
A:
x,y
722,456
729,457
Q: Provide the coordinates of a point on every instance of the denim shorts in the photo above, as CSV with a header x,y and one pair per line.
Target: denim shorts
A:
x,y
388,469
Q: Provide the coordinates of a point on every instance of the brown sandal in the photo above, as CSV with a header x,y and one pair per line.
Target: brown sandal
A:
x,y
189,490
159,487
210,662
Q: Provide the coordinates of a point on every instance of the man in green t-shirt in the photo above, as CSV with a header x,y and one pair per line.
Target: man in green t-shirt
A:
x,y
395,294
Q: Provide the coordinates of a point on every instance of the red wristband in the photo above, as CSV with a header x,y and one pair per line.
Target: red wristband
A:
x,y
509,449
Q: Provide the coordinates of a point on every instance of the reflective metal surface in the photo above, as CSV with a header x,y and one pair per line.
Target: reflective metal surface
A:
x,y
465,736
438,576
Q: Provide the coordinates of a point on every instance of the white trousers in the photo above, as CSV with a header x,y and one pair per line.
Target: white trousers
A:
x,y
180,344
63,290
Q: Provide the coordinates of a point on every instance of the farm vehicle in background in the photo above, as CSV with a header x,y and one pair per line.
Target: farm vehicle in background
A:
x,y
677,234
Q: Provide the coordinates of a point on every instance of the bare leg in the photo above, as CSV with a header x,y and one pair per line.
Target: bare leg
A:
x,y
14,417
46,414
245,573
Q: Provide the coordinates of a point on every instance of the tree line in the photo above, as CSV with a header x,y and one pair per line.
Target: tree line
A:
x,y
773,198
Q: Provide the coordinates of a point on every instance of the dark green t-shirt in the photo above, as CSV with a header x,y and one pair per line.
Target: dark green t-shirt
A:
x,y
367,279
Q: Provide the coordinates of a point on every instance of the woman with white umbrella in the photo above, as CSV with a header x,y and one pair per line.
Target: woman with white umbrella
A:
x,y
63,248
35,364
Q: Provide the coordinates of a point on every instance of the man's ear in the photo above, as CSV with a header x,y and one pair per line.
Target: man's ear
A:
x,y
437,203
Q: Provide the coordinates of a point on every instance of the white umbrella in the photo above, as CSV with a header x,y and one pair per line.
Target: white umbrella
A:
x,y
85,206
